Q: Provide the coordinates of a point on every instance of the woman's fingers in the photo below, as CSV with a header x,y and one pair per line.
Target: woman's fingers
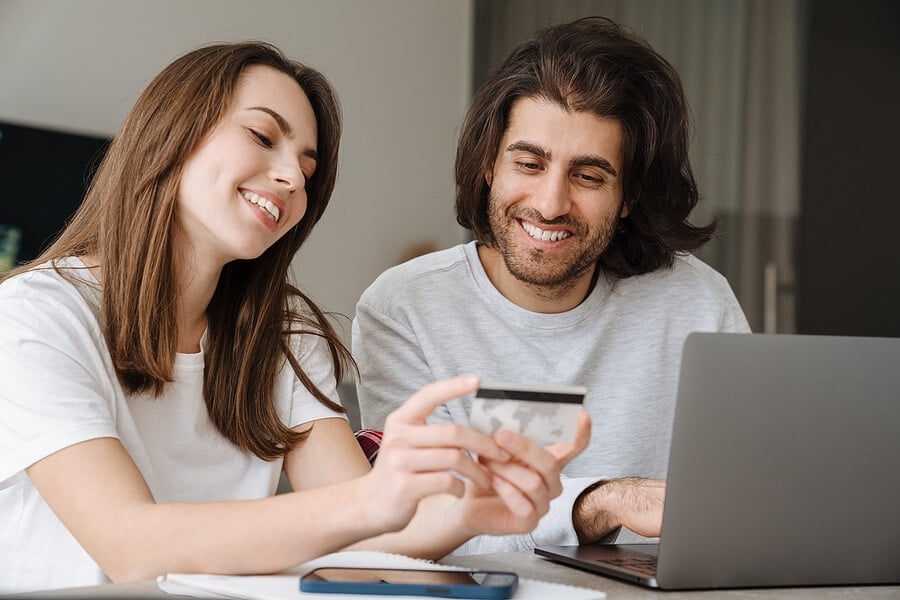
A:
x,y
427,484
525,450
431,460
423,459
534,470
517,503
538,487
449,435
406,425
541,464
554,456
421,404
566,451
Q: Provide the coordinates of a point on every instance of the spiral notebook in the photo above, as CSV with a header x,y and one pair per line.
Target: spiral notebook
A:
x,y
286,585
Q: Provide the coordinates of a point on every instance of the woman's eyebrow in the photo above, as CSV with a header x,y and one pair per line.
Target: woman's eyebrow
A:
x,y
285,128
282,123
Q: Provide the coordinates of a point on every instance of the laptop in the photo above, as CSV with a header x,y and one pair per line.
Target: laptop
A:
x,y
784,468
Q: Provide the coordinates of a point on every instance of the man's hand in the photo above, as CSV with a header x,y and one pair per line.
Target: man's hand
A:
x,y
631,502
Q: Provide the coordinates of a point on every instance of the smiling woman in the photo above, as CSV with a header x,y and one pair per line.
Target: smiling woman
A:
x,y
160,372
245,185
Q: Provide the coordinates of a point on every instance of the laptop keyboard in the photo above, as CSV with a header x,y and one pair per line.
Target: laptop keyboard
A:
x,y
642,563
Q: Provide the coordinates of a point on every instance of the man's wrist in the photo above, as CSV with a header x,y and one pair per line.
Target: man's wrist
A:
x,y
591,517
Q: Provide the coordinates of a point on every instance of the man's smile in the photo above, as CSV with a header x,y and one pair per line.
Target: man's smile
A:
x,y
544,235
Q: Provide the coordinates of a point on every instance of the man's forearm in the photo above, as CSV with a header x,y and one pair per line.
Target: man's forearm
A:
x,y
608,505
592,520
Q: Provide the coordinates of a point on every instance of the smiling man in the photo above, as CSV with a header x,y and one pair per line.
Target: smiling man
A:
x,y
555,200
572,173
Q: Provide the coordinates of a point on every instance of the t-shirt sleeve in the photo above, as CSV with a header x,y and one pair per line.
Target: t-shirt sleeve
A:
x,y
732,318
391,364
55,391
314,356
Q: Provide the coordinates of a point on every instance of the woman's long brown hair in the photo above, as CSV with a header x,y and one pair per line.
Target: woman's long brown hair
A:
x,y
127,221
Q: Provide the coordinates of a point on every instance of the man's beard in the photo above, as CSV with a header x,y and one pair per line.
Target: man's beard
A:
x,y
533,266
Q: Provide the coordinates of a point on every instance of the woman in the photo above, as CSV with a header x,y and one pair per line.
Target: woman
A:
x,y
160,371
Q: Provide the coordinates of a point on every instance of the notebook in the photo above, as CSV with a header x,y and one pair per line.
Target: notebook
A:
x,y
286,585
784,468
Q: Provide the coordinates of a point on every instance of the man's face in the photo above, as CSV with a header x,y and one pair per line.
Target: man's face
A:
x,y
556,192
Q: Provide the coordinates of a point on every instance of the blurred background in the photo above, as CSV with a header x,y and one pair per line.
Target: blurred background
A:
x,y
794,102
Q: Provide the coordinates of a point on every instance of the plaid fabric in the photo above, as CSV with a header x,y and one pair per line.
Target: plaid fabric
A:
x,y
370,441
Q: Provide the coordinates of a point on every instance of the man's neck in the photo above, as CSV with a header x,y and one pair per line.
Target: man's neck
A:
x,y
535,298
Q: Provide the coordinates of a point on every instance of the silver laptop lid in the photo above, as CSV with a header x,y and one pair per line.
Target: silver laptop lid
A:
x,y
785,463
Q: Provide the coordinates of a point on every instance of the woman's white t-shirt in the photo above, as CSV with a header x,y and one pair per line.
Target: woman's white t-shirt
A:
x,y
58,388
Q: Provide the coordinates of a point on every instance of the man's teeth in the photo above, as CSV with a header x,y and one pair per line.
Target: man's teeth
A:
x,y
267,206
546,236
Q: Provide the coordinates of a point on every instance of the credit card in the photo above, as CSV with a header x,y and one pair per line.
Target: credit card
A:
x,y
546,414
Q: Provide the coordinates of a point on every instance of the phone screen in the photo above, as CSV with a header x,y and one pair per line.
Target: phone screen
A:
x,y
440,583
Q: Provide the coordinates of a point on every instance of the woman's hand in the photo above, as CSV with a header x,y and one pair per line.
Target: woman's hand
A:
x,y
418,460
523,487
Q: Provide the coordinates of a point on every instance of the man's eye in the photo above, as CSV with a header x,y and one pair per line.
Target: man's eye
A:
x,y
588,178
265,141
528,166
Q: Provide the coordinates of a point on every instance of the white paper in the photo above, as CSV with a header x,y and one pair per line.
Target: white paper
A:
x,y
286,585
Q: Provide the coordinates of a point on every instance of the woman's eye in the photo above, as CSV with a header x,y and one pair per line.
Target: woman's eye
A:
x,y
265,141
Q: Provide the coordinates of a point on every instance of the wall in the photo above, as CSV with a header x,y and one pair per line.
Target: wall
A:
x,y
849,265
401,68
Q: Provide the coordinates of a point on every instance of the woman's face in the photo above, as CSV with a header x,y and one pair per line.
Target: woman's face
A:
x,y
244,186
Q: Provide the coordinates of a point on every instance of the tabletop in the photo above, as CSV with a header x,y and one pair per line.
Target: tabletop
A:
x,y
531,566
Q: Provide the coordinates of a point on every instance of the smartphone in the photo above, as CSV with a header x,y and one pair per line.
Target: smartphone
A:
x,y
546,414
411,582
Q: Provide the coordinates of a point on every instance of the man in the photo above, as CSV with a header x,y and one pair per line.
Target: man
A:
x,y
572,173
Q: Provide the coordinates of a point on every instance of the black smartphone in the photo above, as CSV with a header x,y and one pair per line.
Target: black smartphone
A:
x,y
411,582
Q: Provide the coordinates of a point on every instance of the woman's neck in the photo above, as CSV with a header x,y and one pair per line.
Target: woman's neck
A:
x,y
195,291
196,287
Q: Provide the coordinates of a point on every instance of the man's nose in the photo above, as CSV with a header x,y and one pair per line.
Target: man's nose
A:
x,y
552,197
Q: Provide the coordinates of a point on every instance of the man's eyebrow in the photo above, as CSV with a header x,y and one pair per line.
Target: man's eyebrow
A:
x,y
523,146
285,128
595,161
581,161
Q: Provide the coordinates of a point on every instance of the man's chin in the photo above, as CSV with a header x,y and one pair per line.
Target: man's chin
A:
x,y
546,274
539,277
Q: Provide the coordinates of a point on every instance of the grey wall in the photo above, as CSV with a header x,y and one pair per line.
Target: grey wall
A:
x,y
849,264
401,68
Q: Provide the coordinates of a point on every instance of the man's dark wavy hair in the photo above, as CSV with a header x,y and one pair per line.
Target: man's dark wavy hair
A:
x,y
595,65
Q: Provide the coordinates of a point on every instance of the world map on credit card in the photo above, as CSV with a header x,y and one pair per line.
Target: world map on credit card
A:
x,y
544,414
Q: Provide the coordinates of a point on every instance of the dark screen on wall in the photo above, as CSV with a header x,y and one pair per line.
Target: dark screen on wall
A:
x,y
43,176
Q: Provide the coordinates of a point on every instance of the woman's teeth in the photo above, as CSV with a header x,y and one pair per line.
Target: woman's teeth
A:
x,y
265,205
